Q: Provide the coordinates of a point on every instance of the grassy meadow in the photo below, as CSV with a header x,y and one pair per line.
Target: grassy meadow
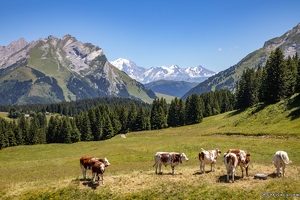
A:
x,y
52,171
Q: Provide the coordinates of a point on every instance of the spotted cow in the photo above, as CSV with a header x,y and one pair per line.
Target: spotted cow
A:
x,y
86,163
208,157
98,168
166,158
231,162
281,159
243,159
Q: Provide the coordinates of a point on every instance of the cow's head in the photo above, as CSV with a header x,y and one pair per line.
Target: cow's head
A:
x,y
244,157
106,162
218,152
184,157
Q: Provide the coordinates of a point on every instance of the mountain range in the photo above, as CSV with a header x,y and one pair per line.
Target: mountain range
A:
x,y
52,70
173,73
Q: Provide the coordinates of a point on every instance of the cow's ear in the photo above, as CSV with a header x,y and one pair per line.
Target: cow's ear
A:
x,y
248,154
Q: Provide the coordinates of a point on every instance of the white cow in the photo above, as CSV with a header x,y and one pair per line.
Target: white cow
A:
x,y
280,160
231,162
208,157
166,158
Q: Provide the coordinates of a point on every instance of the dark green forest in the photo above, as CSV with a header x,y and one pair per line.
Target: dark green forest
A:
x,y
279,79
102,118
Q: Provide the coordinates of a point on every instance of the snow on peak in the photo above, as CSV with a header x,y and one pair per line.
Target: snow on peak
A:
x,y
173,72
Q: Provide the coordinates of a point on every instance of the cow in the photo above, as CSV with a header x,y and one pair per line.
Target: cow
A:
x,y
166,158
243,158
87,161
281,159
208,157
231,162
98,167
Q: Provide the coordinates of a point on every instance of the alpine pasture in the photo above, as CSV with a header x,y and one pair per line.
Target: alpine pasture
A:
x,y
52,171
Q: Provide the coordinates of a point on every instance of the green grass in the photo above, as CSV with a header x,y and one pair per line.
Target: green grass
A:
x,y
52,171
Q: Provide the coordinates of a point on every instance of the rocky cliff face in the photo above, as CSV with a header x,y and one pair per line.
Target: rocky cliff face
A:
x,y
52,70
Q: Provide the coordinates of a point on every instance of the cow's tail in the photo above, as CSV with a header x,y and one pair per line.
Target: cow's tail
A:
x,y
285,159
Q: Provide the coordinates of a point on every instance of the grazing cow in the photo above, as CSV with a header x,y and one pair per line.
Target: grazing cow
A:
x,y
165,158
98,167
280,160
86,163
208,157
231,162
243,158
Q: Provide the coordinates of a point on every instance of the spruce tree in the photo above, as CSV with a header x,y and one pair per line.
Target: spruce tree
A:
x,y
273,78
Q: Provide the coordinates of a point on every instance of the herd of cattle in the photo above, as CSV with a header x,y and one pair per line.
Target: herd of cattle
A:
x,y
232,159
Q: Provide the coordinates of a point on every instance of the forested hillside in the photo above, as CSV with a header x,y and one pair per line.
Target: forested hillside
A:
x,y
100,121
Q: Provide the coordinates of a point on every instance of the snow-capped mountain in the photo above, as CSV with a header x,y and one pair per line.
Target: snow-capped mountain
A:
x,y
174,72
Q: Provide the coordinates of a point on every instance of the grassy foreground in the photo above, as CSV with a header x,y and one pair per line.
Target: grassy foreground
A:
x,y
52,171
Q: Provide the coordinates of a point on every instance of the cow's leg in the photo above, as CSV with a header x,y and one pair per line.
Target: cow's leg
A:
x,y
278,170
233,173
93,177
83,172
160,168
283,170
173,172
228,175
242,171
156,165
201,167
102,179
247,171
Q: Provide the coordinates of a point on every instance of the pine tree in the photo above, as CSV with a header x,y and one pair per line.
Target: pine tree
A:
x,y
194,109
75,134
33,132
273,78
66,130
122,113
141,120
132,114
108,131
86,133
297,85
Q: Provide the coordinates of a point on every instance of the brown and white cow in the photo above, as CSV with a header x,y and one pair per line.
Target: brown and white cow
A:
x,y
231,162
281,159
98,168
86,163
243,158
208,157
166,158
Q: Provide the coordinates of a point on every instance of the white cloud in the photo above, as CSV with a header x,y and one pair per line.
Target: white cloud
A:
x,y
220,49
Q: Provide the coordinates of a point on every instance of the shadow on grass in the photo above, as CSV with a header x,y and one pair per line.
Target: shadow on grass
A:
x,y
294,103
87,182
91,184
199,173
223,179
273,175
168,174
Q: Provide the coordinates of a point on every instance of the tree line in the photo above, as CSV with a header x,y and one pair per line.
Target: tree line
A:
x,y
104,121
279,79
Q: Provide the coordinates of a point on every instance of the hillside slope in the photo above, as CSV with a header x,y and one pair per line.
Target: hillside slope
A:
x,y
289,43
54,70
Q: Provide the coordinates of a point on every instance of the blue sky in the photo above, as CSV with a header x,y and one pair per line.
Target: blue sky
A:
x,y
215,34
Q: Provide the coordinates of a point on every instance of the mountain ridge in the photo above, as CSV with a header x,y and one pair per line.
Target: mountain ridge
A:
x,y
51,70
173,73
289,43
